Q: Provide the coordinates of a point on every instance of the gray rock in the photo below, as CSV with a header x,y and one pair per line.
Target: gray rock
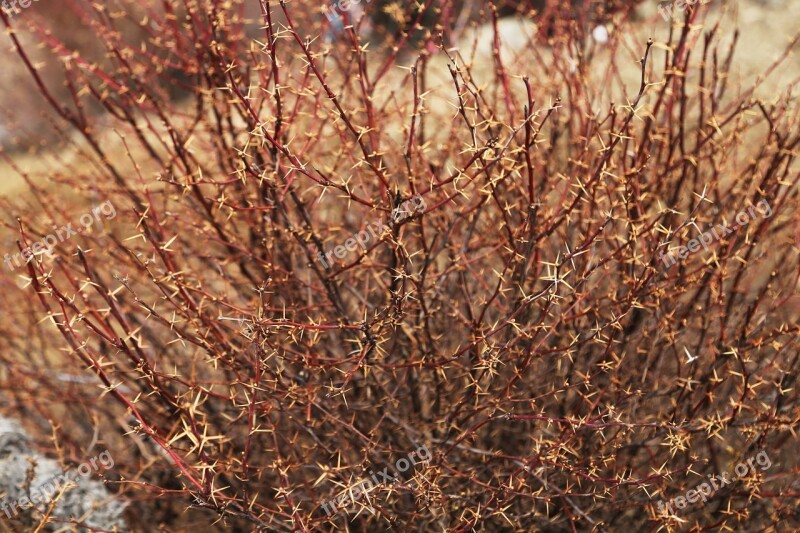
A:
x,y
25,474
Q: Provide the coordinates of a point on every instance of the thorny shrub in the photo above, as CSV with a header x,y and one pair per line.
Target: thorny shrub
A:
x,y
522,327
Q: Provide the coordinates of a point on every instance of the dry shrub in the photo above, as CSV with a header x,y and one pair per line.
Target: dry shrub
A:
x,y
523,326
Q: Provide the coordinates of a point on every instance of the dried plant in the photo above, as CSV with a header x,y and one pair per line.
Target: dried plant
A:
x,y
523,327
